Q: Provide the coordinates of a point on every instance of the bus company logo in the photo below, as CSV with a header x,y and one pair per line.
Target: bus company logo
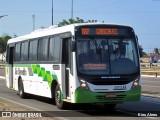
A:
x,y
17,114
18,71
6,114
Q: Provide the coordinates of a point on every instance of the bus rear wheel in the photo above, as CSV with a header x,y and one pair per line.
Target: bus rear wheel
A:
x,y
58,98
21,92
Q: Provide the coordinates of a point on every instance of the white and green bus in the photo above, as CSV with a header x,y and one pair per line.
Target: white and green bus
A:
x,y
78,63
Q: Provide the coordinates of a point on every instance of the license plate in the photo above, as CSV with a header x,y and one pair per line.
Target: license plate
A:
x,y
111,95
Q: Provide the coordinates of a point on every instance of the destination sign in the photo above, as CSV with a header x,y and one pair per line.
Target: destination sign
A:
x,y
100,31
87,31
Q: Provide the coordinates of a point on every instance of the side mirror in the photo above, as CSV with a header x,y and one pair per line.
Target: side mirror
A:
x,y
73,45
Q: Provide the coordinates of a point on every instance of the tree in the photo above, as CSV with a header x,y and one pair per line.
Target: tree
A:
x,y
72,21
3,43
141,52
156,51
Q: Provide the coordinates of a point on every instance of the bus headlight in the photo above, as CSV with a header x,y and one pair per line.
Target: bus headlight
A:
x,y
135,83
84,84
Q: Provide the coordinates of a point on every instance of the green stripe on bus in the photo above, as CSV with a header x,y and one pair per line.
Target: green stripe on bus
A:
x,y
46,75
40,71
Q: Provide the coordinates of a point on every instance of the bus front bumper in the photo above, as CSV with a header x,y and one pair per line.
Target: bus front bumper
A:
x,y
87,96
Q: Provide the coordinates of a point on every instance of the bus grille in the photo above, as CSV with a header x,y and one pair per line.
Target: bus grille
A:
x,y
117,98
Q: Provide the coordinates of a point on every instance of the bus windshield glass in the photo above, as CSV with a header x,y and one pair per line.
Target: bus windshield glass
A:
x,y
107,56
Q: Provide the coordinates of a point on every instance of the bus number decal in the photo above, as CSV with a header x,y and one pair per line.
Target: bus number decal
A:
x,y
85,31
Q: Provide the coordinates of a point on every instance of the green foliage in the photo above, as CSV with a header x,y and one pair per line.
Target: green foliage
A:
x,y
72,21
3,43
141,52
156,50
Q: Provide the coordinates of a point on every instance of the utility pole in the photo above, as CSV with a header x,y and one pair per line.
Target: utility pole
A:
x,y
72,10
33,17
52,12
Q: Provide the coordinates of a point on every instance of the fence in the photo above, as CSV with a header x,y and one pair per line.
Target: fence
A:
x,y
150,65
150,68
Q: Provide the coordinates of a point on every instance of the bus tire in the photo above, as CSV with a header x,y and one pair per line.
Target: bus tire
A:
x,y
58,99
21,92
53,88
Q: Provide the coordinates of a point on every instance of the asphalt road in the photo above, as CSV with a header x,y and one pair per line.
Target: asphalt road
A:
x,y
124,111
151,86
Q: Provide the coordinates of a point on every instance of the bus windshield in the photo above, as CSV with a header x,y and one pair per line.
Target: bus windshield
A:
x,y
107,56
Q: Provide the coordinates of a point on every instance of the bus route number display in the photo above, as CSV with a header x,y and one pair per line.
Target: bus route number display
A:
x,y
99,31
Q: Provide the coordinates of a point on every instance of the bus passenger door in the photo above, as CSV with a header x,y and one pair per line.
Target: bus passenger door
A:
x,y
66,59
9,67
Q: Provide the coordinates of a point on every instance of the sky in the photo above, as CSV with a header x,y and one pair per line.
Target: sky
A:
x,y
142,15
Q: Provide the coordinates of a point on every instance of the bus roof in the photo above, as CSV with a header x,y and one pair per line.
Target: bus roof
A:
x,y
53,30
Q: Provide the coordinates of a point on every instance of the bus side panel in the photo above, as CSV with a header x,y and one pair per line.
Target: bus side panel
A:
x,y
46,73
44,80
38,79
20,71
30,84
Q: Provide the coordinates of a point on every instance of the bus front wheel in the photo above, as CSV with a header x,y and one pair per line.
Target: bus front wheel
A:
x,y
58,98
21,92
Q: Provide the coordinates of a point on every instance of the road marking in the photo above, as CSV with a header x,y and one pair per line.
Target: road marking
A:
x,y
21,104
33,108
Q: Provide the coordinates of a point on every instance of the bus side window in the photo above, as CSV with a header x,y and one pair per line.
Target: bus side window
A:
x,y
17,52
24,51
9,56
54,48
43,49
33,50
